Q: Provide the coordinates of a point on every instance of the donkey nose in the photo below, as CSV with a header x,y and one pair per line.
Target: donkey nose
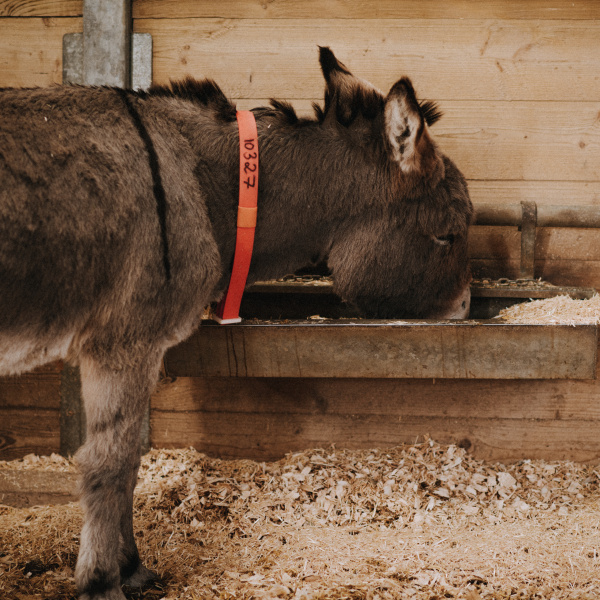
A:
x,y
459,309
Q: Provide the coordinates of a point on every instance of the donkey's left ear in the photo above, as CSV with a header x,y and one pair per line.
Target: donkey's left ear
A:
x,y
407,134
346,96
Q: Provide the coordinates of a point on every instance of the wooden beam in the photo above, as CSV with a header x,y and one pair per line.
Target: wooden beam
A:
x,y
33,488
41,8
361,348
350,9
264,418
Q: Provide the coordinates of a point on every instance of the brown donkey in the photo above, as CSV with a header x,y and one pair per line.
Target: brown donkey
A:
x,y
117,226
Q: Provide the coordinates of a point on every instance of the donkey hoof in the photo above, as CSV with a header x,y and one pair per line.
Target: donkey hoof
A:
x,y
140,578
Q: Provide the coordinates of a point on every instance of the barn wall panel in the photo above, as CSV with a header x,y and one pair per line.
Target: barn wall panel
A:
x,y
519,85
31,50
448,59
350,9
265,418
41,8
29,413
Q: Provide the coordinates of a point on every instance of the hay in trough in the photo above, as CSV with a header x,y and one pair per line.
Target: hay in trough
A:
x,y
425,521
557,310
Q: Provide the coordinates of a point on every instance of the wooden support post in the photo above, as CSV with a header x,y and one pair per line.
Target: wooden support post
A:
x,y
528,230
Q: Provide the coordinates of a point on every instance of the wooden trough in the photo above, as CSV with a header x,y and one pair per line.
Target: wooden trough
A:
x,y
387,349
357,348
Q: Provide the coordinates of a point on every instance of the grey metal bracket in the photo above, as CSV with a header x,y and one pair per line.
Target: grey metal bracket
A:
x,y
141,60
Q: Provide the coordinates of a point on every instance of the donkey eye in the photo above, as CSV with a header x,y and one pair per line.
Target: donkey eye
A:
x,y
444,240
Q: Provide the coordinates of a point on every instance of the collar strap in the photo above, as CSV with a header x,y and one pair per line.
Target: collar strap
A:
x,y
228,309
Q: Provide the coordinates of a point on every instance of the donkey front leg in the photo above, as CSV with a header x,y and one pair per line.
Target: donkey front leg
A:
x,y
115,401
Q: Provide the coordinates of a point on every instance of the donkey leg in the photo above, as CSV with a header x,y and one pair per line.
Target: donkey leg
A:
x,y
115,401
133,572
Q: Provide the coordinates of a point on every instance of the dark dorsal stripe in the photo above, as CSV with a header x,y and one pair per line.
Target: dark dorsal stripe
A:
x,y
157,185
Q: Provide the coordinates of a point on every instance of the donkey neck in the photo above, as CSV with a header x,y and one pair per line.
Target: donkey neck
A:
x,y
313,179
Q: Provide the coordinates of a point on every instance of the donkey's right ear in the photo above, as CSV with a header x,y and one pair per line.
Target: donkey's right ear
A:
x,y
407,134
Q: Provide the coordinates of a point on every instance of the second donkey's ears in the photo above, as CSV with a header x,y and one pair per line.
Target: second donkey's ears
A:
x,y
407,134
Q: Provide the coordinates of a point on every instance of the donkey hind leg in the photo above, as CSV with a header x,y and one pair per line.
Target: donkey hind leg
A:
x,y
114,401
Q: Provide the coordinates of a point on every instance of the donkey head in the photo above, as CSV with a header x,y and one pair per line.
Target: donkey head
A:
x,y
403,253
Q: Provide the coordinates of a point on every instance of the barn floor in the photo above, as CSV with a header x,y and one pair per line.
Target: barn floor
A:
x,y
421,522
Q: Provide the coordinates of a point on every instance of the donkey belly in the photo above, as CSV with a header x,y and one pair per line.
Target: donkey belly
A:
x,y
24,352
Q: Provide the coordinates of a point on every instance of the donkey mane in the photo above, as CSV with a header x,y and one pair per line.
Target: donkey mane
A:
x,y
431,111
366,102
205,92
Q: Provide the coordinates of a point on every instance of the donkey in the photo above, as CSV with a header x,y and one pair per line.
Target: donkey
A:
x,y
117,226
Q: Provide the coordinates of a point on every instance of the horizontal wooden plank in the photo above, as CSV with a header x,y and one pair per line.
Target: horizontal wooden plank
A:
x,y
386,349
502,192
38,389
34,488
448,60
265,418
41,8
269,437
485,398
345,9
31,50
552,244
523,140
26,431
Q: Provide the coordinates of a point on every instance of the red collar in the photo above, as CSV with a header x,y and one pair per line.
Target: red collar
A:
x,y
228,308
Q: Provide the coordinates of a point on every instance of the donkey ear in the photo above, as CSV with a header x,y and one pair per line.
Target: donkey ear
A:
x,y
407,134
346,96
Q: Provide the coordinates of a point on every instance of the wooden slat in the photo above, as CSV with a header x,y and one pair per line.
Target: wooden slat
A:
x,y
41,8
552,244
264,419
485,398
523,140
448,60
28,431
387,349
350,9
38,389
34,488
31,50
233,436
490,191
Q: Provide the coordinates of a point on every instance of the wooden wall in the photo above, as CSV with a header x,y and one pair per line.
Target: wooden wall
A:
x,y
520,88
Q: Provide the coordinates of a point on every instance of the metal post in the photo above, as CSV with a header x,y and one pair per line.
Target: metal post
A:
x,y
107,42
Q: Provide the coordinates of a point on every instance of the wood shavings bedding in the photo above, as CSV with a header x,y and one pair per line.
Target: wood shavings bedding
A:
x,y
423,521
557,310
